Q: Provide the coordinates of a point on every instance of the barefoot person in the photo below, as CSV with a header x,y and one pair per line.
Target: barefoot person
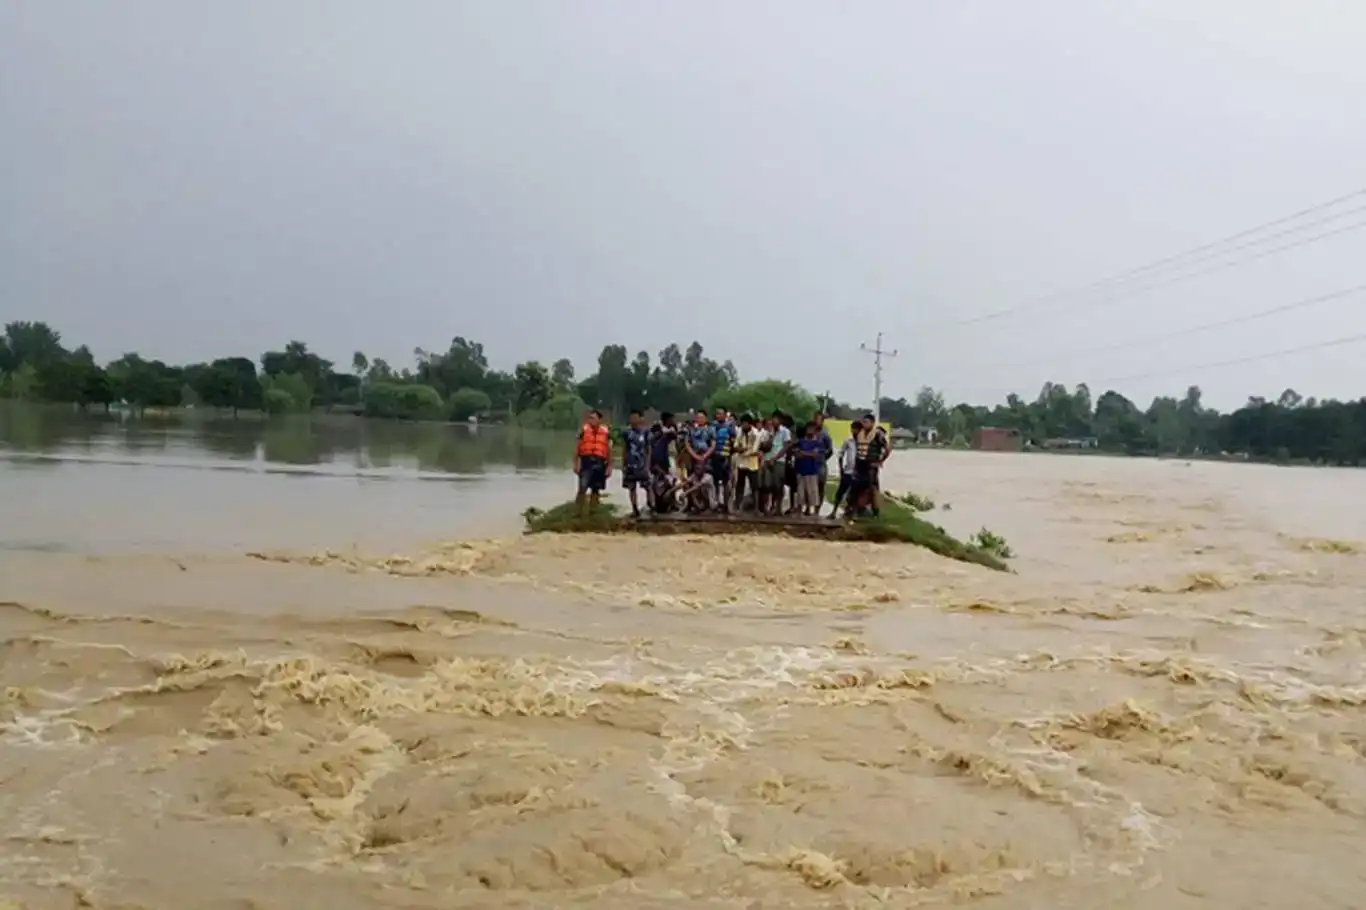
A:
x,y
592,462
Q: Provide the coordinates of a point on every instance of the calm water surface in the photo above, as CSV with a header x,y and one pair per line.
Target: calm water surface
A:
x,y
97,483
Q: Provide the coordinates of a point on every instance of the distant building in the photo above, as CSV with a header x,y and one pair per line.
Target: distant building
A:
x,y
1083,442
996,439
926,436
903,438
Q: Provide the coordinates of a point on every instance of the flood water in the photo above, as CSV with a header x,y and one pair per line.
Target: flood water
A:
x,y
100,483
313,664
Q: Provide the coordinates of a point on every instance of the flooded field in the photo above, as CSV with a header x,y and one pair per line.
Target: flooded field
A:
x,y
354,687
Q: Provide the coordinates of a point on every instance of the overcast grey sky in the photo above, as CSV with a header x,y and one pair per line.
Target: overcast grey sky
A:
x,y
778,180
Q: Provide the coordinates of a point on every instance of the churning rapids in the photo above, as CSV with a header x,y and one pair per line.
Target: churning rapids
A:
x,y
1164,708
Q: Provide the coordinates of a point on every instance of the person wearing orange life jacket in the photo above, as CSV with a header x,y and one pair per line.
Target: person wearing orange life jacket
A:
x,y
592,462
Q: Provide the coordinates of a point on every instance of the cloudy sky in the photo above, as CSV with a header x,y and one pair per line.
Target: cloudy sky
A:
x,y
779,180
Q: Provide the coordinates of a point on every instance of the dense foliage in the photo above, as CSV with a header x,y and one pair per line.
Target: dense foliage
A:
x,y
460,383
1290,428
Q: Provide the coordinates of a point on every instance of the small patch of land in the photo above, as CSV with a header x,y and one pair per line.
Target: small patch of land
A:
x,y
898,523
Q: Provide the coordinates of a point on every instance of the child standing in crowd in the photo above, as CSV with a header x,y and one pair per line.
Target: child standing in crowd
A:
x,y
808,456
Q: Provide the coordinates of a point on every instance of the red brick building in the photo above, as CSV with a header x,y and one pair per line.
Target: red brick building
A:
x,y
996,439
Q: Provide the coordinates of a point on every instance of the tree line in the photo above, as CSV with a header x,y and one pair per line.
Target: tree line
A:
x,y
460,383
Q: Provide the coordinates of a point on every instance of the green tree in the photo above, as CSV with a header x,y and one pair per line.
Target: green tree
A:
x,y
764,397
612,379
231,383
402,401
297,360
532,385
286,393
562,375
467,403
34,343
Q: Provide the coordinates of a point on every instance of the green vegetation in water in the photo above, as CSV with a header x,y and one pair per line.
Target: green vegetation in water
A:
x,y
897,524
990,542
566,518
915,502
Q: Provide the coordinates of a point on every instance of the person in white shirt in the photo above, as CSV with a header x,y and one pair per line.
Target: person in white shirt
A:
x,y
847,457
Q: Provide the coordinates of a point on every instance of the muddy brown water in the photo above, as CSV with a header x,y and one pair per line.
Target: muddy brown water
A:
x,y
334,691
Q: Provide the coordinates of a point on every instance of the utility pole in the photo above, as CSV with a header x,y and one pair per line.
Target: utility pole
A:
x,y
878,353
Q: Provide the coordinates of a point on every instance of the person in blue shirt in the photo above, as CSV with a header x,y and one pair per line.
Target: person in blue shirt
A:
x,y
808,458
635,453
724,429
701,443
827,446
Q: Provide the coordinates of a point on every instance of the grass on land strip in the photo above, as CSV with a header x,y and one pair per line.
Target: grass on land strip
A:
x,y
898,523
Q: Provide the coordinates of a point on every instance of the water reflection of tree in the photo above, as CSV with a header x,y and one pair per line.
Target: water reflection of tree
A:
x,y
298,440
238,440
39,428
295,440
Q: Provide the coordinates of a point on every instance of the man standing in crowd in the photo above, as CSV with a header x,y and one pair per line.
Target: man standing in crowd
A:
x,y
873,451
701,445
775,464
659,443
746,462
724,430
592,462
847,460
827,450
808,456
635,453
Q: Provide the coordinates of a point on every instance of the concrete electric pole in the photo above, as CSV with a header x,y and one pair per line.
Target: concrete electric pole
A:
x,y
878,353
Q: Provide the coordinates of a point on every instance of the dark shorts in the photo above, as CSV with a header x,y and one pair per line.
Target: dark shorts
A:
x,y
720,468
631,478
866,475
790,475
592,474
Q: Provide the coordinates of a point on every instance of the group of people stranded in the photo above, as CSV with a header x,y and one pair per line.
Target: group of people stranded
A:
x,y
725,465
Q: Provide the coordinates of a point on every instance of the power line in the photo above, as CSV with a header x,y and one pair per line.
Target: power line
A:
x,y
1277,235
1127,293
1168,260
1335,342
1208,326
